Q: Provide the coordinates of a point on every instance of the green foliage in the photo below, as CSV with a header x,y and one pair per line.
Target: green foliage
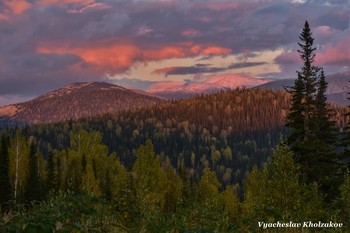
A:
x,y
65,212
34,187
153,198
284,185
19,166
5,185
346,138
345,201
277,193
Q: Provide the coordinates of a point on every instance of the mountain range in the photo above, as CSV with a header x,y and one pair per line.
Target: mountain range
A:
x,y
338,87
215,83
89,99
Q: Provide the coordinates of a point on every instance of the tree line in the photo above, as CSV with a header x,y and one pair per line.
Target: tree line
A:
x,y
152,196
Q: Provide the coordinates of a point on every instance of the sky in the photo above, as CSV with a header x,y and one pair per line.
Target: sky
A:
x,y
47,44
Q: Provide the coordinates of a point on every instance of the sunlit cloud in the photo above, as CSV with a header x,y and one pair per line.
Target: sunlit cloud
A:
x,y
48,43
144,30
18,6
190,32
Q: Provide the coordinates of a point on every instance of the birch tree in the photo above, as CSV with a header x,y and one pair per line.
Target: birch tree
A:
x,y
19,164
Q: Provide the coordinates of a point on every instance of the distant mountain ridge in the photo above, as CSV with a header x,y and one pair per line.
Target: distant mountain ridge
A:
x,y
89,99
338,86
77,100
215,83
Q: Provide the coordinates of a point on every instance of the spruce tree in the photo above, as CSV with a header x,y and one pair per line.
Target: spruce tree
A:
x,y
346,153
308,75
295,119
312,136
51,181
5,185
33,191
325,127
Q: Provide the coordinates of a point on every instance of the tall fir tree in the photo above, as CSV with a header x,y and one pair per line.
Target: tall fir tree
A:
x,y
308,75
295,119
5,185
33,190
346,153
51,181
325,127
313,134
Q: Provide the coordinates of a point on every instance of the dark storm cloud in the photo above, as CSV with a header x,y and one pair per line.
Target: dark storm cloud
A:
x,y
203,68
245,65
31,74
43,62
132,83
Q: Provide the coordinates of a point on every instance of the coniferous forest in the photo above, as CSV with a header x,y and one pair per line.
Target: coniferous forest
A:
x,y
223,162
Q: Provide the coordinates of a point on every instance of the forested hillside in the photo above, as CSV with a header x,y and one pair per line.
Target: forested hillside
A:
x,y
229,131
74,101
178,165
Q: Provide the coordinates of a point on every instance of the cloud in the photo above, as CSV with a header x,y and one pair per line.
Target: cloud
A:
x,y
43,62
203,68
64,2
18,6
245,65
32,74
190,32
143,30
9,8
47,43
335,53
183,70
217,6
89,8
166,85
110,24
110,59
117,58
133,83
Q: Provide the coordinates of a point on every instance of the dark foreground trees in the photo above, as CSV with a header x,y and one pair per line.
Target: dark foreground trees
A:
x,y
313,133
152,197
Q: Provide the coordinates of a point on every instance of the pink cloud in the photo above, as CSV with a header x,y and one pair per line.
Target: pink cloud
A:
x,y
183,50
164,53
111,59
165,70
335,54
3,16
90,7
217,6
63,2
19,6
144,30
114,58
215,50
15,7
190,32
323,31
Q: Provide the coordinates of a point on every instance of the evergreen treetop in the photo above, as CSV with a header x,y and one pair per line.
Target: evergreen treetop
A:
x,y
313,133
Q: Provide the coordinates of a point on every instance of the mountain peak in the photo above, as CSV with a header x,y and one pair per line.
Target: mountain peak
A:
x,y
212,84
77,100
74,88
